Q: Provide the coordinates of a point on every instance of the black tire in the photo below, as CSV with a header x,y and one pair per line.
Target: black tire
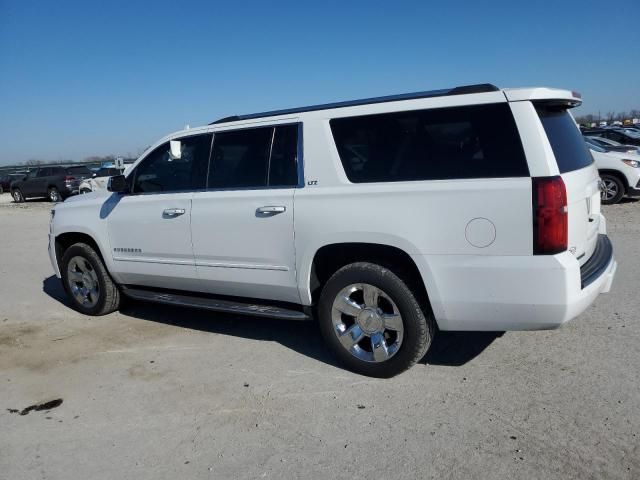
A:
x,y
17,195
109,295
613,184
418,322
54,195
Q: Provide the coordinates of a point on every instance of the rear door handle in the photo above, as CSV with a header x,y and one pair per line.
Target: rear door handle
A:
x,y
271,210
173,212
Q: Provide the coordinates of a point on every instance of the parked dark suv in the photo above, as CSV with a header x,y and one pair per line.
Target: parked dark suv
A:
x,y
55,183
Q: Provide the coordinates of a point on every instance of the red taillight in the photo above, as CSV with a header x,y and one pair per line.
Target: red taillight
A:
x,y
550,221
68,178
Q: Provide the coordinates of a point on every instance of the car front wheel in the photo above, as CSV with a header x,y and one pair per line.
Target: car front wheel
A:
x,y
87,282
612,189
17,196
372,320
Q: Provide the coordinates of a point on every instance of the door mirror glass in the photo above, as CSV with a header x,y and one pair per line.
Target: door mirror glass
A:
x,y
175,149
118,184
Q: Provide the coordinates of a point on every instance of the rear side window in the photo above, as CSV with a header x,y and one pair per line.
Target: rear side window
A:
x,y
255,158
479,141
567,143
283,165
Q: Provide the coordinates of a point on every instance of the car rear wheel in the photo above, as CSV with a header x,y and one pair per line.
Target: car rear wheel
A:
x,y
17,196
612,189
372,320
87,282
54,194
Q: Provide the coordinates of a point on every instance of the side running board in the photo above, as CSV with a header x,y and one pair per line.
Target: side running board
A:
x,y
214,304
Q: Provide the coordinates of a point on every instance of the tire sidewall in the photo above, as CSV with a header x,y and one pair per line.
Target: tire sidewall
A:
x,y
17,193
81,250
620,187
417,331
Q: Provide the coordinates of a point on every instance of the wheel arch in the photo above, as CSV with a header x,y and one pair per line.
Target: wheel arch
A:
x,y
64,240
619,175
329,258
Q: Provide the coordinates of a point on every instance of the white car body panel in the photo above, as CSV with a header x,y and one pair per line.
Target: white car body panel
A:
x,y
239,251
149,247
220,246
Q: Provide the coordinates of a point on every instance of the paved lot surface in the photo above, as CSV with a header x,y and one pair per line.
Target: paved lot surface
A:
x,y
156,392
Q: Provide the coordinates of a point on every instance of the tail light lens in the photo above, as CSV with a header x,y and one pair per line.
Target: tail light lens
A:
x,y
68,178
550,217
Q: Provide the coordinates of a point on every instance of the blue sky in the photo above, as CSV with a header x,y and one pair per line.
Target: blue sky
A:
x,y
98,78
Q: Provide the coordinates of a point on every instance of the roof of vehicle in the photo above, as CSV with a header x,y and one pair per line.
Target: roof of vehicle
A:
x,y
466,89
512,94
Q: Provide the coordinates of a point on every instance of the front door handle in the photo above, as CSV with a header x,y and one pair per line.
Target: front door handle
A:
x,y
271,210
173,212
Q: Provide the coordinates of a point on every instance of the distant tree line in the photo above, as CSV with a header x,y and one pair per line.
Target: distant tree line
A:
x,y
609,117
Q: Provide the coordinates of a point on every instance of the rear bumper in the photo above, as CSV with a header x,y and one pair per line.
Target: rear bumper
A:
x,y
498,293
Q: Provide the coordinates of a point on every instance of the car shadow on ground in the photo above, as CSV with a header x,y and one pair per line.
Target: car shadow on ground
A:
x,y
448,348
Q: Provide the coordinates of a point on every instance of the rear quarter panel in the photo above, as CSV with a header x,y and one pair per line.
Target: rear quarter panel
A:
x,y
429,218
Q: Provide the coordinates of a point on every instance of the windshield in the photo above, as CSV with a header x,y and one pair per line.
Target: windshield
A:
x,y
566,141
632,133
606,141
594,146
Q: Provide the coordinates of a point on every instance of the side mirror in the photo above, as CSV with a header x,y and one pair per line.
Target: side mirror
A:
x,y
94,175
175,150
118,184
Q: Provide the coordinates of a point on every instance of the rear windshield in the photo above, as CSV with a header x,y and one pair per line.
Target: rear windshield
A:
x,y
566,140
78,171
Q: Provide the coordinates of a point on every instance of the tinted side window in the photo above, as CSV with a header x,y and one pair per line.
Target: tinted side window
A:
x,y
479,141
240,158
43,172
567,144
161,172
58,171
283,166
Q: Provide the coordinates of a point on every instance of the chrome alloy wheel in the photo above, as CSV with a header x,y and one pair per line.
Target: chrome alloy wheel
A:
x,y
54,195
367,322
609,189
83,282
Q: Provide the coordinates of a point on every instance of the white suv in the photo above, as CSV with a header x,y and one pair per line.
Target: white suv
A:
x,y
385,219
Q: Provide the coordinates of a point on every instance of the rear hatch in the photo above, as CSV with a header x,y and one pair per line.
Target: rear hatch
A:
x,y
580,177
76,175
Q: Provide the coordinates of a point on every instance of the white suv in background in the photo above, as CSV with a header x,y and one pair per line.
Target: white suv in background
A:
x,y
619,171
384,219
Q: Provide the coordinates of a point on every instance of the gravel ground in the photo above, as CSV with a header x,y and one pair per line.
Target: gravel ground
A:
x,y
159,392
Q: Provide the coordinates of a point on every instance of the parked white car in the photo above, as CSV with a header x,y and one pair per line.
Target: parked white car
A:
x,y
384,219
619,171
98,181
611,145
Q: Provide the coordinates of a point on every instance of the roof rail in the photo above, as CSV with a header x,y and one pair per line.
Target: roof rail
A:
x,y
463,90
